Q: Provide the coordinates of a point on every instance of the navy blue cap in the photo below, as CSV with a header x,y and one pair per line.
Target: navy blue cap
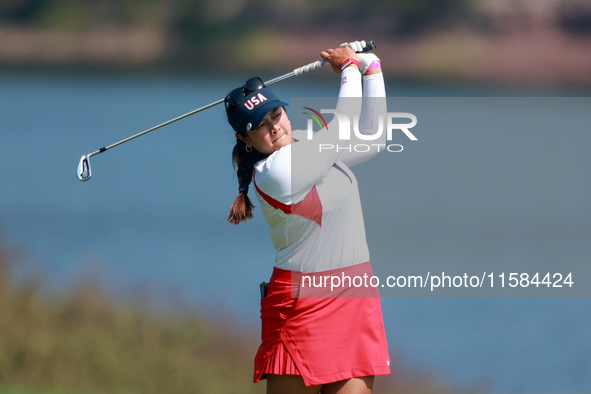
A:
x,y
252,109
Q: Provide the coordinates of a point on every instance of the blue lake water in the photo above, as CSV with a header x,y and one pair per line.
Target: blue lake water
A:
x,y
152,218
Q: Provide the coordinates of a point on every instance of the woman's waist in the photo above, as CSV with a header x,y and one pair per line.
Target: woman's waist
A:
x,y
320,258
288,275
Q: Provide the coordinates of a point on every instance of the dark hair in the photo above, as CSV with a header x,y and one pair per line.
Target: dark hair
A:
x,y
243,162
242,159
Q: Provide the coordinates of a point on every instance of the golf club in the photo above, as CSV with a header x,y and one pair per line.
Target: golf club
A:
x,y
84,172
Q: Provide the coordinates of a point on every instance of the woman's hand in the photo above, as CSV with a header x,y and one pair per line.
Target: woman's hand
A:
x,y
369,63
336,56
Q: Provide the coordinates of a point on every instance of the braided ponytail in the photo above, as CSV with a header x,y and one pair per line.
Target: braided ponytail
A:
x,y
243,162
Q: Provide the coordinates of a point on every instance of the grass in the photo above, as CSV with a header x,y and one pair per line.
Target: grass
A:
x,y
26,390
84,343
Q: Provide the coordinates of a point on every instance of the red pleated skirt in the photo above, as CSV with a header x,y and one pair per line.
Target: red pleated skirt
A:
x,y
325,339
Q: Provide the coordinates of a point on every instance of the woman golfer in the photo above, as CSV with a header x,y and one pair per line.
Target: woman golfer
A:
x,y
310,198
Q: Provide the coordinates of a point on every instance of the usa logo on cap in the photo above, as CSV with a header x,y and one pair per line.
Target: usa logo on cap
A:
x,y
252,102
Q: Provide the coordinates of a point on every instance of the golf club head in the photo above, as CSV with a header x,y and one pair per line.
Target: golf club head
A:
x,y
83,173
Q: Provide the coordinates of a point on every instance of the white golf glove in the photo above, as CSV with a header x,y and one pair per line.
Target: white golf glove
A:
x,y
365,58
357,46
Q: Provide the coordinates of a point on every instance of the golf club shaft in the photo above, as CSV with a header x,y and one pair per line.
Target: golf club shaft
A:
x,y
298,71
301,70
156,127
84,172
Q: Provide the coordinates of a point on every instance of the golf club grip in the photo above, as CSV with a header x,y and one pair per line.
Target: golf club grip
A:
x,y
309,67
369,46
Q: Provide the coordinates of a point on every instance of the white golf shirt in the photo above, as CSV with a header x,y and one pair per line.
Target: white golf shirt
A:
x,y
310,198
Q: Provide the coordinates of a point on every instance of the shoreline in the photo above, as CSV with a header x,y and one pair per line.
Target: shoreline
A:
x,y
531,57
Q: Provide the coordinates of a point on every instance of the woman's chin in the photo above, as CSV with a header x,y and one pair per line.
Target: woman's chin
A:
x,y
282,141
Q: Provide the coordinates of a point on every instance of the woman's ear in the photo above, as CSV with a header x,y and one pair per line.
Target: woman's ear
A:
x,y
243,139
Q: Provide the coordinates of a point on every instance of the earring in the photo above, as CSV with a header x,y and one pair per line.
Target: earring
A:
x,y
247,148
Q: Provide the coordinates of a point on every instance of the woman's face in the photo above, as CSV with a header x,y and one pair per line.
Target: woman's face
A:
x,y
273,133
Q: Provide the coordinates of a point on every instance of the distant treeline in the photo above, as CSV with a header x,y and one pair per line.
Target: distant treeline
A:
x,y
214,34
221,19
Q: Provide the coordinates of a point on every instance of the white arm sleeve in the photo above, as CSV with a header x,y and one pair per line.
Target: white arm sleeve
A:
x,y
374,107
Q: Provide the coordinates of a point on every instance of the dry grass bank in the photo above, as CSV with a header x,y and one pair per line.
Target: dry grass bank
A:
x,y
85,343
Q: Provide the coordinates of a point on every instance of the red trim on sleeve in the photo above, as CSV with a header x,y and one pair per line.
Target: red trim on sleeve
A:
x,y
272,202
310,207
